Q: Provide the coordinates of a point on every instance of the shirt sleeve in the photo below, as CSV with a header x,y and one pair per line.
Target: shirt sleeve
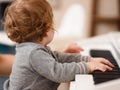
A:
x,y
47,66
70,57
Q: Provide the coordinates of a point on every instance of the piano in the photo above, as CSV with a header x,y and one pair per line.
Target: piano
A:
x,y
107,46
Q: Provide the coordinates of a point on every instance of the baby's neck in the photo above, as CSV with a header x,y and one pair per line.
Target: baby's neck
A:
x,y
43,42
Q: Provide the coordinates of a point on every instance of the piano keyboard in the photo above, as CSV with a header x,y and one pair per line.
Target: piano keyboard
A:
x,y
99,76
100,46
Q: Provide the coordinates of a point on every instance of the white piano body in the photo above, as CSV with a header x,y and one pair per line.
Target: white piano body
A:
x,y
85,82
104,42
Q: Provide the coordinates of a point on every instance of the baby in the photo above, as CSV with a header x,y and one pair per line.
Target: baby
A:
x,y
36,67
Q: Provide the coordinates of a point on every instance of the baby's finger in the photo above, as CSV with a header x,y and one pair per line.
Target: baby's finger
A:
x,y
109,68
108,63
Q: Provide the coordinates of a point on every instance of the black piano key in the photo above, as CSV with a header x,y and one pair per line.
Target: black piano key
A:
x,y
116,68
107,72
98,81
100,76
107,76
104,78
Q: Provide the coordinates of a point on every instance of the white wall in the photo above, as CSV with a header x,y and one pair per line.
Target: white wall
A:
x,y
86,4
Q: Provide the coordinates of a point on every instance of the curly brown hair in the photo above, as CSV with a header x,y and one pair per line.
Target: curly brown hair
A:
x,y
28,20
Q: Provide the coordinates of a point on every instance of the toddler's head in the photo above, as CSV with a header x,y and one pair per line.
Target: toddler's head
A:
x,y
28,20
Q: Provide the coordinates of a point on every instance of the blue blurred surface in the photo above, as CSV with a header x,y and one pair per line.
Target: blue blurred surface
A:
x,y
4,49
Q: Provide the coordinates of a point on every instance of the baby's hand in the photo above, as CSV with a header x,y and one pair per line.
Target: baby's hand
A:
x,y
73,48
102,60
101,64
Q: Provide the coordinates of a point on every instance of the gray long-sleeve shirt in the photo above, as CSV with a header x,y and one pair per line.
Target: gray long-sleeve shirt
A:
x,y
38,68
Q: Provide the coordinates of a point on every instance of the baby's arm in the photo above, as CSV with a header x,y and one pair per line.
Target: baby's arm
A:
x,y
70,57
44,64
71,53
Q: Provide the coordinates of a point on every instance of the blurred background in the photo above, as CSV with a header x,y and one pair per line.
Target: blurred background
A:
x,y
75,20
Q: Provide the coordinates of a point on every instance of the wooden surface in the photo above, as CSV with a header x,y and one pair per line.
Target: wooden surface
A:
x,y
96,19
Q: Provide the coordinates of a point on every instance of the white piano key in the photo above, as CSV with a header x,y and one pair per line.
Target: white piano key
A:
x,y
84,82
72,86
